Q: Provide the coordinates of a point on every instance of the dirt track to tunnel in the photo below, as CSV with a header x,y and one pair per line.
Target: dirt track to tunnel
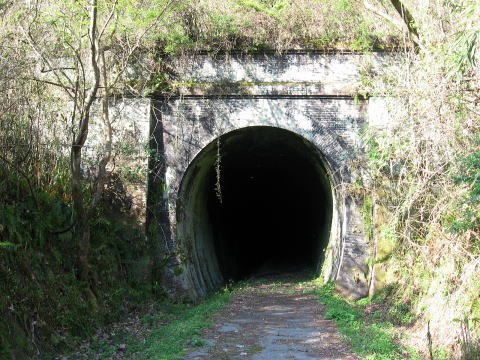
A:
x,y
269,320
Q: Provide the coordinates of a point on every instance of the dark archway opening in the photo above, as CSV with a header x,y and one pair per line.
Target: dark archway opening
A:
x,y
272,211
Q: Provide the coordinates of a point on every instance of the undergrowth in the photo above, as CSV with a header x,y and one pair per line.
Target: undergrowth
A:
x,y
43,306
424,179
167,343
162,333
258,25
373,340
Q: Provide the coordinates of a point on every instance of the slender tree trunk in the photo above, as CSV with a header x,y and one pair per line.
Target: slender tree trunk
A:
x,y
406,17
82,229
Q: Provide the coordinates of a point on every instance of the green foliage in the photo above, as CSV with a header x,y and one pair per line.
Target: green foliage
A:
x,y
365,39
271,8
469,341
38,267
383,294
266,25
370,340
6,245
400,314
441,354
469,172
396,312
367,212
465,47
176,40
186,322
466,50
379,151
467,215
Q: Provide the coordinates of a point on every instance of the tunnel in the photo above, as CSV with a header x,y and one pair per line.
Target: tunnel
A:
x,y
254,201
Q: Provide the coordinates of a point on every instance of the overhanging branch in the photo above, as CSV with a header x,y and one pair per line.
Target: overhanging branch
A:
x,y
407,24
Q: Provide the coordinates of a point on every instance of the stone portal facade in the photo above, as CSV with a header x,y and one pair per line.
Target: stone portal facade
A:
x,y
313,95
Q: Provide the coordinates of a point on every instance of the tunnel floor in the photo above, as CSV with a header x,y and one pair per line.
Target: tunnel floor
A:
x,y
265,205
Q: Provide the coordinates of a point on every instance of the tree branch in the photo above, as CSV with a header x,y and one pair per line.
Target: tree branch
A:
x,y
62,86
398,24
102,166
85,117
109,18
138,42
407,19
407,23
55,71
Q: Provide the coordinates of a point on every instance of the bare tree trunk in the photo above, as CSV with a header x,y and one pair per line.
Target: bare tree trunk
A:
x,y
82,229
407,19
82,89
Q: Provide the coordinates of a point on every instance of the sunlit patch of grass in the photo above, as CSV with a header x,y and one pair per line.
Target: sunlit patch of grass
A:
x,y
372,341
168,342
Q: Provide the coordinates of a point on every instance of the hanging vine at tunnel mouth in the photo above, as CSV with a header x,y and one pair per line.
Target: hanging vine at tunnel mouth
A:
x,y
218,185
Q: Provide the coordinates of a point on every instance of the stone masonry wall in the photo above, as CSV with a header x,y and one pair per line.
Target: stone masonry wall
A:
x,y
312,95
130,119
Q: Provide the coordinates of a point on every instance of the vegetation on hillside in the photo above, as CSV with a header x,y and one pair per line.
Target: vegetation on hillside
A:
x,y
69,263
424,173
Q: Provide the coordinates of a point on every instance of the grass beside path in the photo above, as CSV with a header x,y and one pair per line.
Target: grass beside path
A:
x,y
370,340
160,334
372,337
167,342
164,332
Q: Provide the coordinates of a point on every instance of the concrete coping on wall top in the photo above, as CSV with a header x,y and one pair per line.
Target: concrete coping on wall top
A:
x,y
289,74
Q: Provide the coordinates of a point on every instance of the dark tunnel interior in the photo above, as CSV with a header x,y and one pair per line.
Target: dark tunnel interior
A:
x,y
273,209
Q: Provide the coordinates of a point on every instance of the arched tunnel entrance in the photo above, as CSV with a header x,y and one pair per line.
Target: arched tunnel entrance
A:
x,y
256,199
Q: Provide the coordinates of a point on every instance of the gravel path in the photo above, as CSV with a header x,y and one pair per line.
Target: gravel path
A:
x,y
272,321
